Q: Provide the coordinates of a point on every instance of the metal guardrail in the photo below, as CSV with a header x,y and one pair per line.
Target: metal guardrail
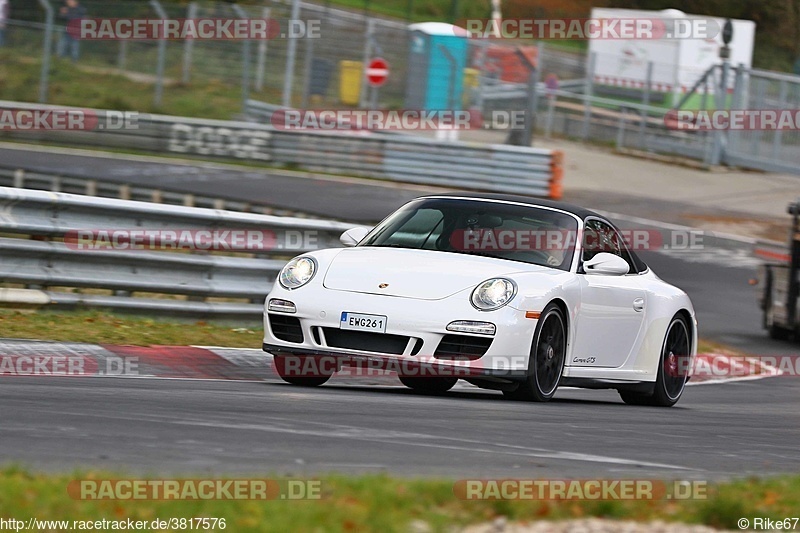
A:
x,y
186,283
73,181
402,158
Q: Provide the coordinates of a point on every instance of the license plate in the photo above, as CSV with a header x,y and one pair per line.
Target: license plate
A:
x,y
360,322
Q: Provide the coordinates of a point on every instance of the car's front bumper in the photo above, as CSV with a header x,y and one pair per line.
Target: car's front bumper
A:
x,y
421,321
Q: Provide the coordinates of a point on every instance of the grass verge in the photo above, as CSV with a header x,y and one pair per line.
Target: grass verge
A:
x,y
103,327
108,328
82,86
383,503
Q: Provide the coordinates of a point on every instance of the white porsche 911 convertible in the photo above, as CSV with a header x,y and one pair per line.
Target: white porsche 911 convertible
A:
x,y
512,294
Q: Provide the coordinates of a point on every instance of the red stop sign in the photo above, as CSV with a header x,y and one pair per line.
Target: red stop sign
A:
x,y
377,72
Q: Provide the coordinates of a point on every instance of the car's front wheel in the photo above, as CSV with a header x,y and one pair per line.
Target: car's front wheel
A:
x,y
546,362
673,368
305,371
429,385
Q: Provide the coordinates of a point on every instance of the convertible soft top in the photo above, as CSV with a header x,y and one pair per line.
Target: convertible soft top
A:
x,y
529,200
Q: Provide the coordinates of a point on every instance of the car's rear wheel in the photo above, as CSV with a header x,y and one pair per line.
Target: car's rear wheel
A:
x,y
429,385
546,362
673,368
305,371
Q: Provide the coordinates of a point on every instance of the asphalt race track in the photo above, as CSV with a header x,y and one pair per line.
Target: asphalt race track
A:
x,y
184,427
368,201
191,426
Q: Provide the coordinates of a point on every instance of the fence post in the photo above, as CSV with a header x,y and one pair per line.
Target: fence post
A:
x,y
309,59
362,99
777,135
122,57
621,128
162,52
291,54
188,46
262,55
551,107
48,47
719,137
645,101
737,103
245,60
587,95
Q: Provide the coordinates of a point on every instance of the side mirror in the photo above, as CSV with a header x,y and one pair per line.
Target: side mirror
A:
x,y
606,264
353,236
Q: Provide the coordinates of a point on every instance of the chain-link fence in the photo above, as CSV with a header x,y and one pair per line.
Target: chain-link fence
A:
x,y
305,63
632,106
318,57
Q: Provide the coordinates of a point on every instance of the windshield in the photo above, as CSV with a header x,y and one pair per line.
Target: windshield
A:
x,y
527,234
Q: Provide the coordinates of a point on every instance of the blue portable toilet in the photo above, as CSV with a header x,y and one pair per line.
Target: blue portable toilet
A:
x,y
437,58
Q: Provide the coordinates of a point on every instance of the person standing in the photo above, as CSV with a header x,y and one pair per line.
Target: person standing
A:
x,y
70,11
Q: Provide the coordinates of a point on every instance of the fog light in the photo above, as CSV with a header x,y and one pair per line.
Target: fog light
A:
x,y
471,326
281,306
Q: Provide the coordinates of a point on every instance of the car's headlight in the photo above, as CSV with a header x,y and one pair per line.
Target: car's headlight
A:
x,y
493,294
297,272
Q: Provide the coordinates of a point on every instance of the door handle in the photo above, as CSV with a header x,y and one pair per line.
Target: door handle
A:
x,y
638,305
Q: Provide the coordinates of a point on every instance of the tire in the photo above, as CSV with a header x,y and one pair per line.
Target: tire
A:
x,y
547,357
431,385
775,332
313,379
635,398
672,368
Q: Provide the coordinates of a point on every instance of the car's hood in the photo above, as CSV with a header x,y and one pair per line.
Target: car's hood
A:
x,y
421,274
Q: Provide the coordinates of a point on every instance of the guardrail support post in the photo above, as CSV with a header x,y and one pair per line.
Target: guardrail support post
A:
x,y
19,178
47,49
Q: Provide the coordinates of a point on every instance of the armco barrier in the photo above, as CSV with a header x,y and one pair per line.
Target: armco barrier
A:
x,y
391,156
194,283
